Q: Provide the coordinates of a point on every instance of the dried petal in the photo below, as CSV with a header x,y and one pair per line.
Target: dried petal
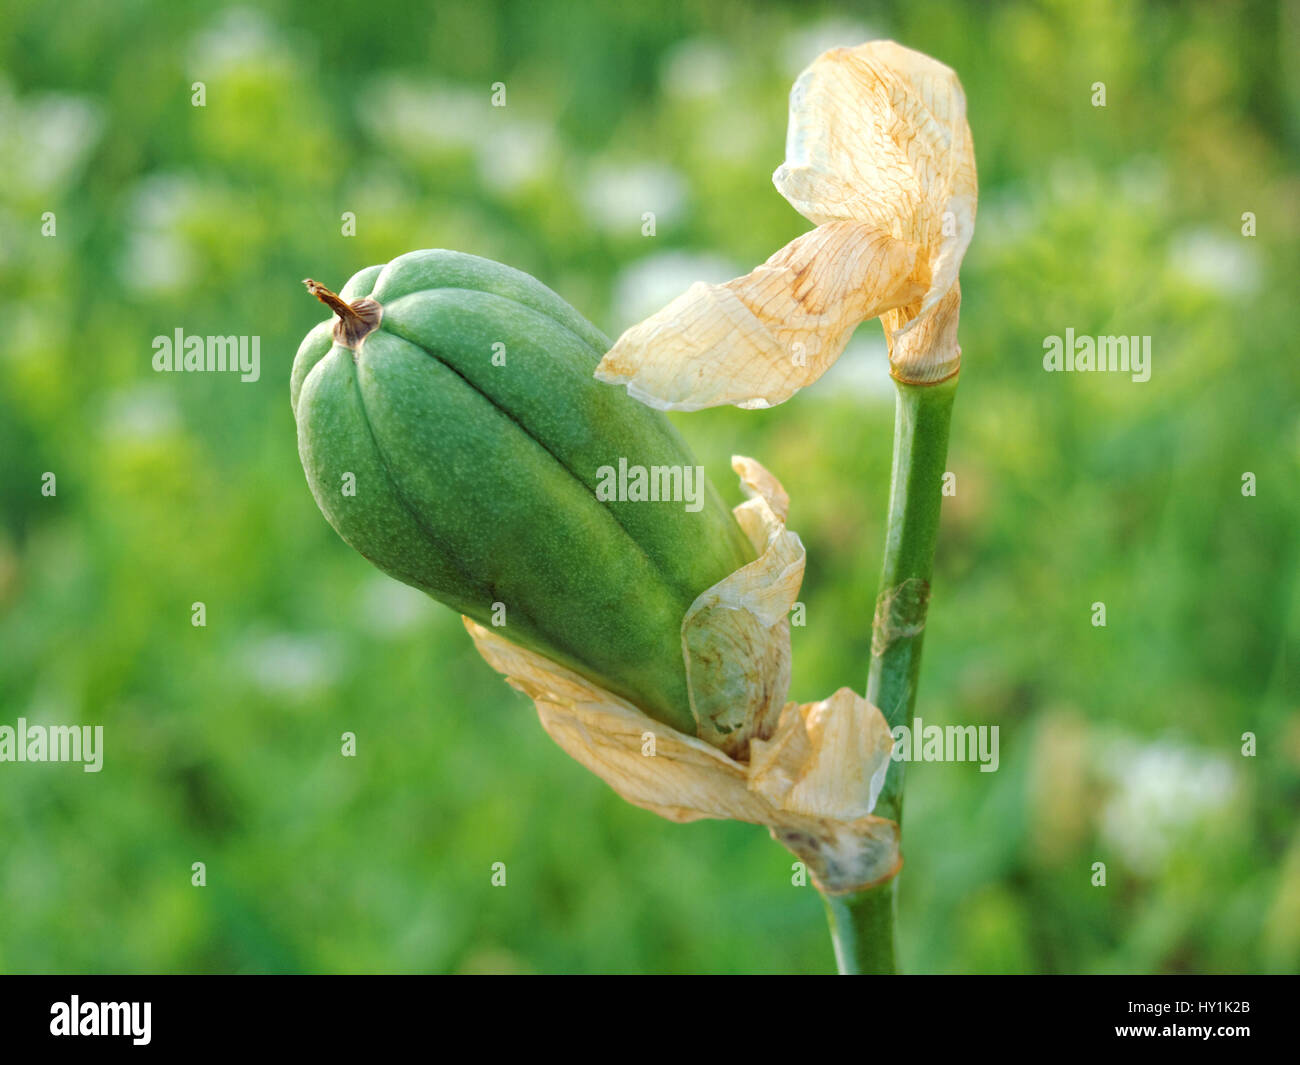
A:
x,y
878,134
826,759
736,635
757,340
923,348
879,155
682,778
813,771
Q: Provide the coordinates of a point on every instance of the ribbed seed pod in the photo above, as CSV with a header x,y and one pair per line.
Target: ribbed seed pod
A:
x,y
459,395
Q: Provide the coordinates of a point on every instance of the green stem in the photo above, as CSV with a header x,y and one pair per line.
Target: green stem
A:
x,y
862,930
862,923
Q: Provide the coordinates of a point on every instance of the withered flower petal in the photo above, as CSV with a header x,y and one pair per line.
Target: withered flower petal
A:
x,y
879,156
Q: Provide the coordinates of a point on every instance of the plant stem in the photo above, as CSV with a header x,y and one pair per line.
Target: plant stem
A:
x,y
862,930
862,923
916,491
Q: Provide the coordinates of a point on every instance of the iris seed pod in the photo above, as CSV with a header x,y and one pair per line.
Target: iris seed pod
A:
x,y
459,395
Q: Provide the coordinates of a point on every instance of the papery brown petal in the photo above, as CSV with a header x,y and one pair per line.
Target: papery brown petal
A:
x,y
924,350
879,155
757,340
736,635
825,759
845,856
809,772
682,778
878,134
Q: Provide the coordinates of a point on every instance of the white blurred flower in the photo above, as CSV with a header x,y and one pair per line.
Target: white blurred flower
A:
x,y
160,200
377,184
423,118
45,140
141,413
697,68
430,120
1164,793
158,257
1009,219
862,372
646,285
615,197
733,135
392,608
1145,180
285,664
238,37
702,71
1217,263
156,262
514,152
1074,180
801,48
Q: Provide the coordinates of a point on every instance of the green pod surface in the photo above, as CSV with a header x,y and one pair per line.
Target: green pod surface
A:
x,y
458,394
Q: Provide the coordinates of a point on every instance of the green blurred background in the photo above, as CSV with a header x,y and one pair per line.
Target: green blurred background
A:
x,y
1119,744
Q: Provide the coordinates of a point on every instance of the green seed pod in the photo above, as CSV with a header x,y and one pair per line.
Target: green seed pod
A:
x,y
485,467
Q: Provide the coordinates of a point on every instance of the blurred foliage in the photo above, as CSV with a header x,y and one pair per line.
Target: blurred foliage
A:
x,y
1119,744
